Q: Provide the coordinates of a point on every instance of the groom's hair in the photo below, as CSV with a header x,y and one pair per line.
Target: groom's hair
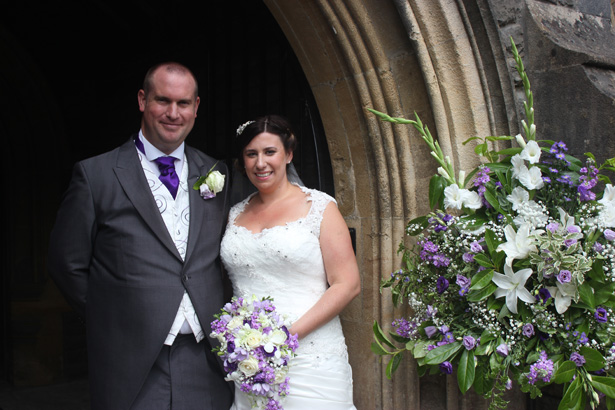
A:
x,y
170,67
273,124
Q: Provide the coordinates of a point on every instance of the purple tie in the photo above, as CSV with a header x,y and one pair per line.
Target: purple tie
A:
x,y
168,176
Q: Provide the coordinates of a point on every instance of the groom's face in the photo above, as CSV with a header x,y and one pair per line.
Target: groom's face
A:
x,y
169,109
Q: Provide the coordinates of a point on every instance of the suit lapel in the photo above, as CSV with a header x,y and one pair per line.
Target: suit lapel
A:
x,y
196,168
130,175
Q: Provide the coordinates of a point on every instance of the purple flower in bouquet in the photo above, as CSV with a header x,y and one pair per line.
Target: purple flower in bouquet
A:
x,y
476,247
441,285
528,330
430,331
542,369
564,276
446,367
601,315
577,358
543,295
469,342
609,234
502,350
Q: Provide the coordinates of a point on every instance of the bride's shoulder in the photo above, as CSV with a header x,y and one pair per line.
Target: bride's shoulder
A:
x,y
315,195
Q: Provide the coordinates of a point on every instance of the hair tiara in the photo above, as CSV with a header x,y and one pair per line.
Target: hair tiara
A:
x,y
243,127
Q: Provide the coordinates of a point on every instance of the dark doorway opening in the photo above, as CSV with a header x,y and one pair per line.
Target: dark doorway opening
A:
x,y
69,78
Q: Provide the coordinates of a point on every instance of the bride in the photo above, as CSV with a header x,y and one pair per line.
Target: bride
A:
x,y
291,243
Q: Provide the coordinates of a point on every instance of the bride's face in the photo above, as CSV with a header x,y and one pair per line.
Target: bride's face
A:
x,y
265,159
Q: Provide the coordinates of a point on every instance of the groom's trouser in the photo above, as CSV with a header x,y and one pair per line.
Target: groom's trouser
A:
x,y
184,377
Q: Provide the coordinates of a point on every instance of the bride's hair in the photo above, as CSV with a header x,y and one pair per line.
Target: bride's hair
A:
x,y
273,124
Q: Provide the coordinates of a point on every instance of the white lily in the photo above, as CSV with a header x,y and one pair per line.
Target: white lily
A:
x,y
456,198
606,217
518,197
608,197
531,178
562,293
531,152
518,164
518,244
512,285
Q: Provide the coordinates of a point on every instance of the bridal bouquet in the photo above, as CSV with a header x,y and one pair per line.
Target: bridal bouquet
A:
x,y
256,348
512,276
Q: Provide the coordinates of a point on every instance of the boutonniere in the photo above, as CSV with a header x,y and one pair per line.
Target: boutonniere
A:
x,y
210,184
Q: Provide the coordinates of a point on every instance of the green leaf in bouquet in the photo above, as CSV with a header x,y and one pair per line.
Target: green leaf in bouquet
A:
x,y
492,241
419,349
437,183
586,292
484,293
466,371
593,359
394,364
604,293
605,384
481,279
380,337
574,397
483,260
482,383
378,349
597,271
491,197
442,353
484,349
509,152
565,372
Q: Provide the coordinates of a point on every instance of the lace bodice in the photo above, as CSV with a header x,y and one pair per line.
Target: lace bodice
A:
x,y
284,262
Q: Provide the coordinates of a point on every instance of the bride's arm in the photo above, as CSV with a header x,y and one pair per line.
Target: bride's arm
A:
x,y
342,273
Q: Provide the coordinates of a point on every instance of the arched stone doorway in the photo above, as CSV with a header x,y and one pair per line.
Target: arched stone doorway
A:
x,y
398,56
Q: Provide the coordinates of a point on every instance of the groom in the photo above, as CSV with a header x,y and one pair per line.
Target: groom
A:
x,y
135,250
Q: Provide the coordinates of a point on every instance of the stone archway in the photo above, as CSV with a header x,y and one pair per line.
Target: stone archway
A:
x,y
398,56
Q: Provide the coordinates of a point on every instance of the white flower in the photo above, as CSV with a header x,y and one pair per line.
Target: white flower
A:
x,y
215,181
456,198
443,172
453,197
249,366
517,163
606,217
518,244
277,337
608,197
471,199
531,178
562,294
512,285
520,140
531,152
518,197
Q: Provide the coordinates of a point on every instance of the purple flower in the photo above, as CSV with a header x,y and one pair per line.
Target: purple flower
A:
x,y
598,247
476,247
463,282
569,242
446,367
564,276
583,338
542,369
439,260
441,285
430,331
544,294
528,330
577,358
553,227
468,257
502,350
469,342
601,315
609,235
403,327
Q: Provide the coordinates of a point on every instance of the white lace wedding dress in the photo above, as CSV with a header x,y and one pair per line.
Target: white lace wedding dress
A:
x,y
285,262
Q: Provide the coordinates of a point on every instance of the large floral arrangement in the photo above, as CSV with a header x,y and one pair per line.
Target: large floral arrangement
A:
x,y
256,348
511,277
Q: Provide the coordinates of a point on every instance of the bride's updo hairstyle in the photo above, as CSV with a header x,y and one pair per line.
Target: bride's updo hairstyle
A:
x,y
273,124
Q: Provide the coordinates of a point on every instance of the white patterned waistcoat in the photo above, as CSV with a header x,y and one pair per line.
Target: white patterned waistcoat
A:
x,y
176,216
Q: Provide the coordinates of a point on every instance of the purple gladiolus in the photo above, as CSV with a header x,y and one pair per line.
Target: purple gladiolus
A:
x,y
528,330
601,315
446,367
441,285
564,276
577,358
469,342
502,350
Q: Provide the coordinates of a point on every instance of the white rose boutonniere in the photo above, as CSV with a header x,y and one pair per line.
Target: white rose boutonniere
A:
x,y
210,184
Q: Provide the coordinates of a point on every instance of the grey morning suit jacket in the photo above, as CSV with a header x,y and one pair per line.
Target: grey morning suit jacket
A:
x,y
112,256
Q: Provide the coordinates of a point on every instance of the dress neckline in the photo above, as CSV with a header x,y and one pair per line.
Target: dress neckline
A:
x,y
308,197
